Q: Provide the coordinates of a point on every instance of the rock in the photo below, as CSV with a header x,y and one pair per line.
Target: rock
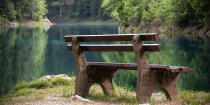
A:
x,y
208,33
13,24
159,96
51,77
48,21
81,99
64,76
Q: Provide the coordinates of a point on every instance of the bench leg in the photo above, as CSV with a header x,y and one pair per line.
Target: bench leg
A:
x,y
145,88
148,81
82,85
108,87
170,85
157,80
103,77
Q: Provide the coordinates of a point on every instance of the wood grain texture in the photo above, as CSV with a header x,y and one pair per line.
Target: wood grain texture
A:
x,y
133,66
112,37
115,47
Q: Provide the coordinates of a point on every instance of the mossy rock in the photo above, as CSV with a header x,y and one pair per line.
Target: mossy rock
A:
x,y
46,81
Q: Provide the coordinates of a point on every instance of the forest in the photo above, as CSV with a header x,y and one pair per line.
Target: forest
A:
x,y
22,10
126,12
54,10
181,12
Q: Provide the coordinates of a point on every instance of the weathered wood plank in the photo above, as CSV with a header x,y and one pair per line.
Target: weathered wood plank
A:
x,y
129,66
133,66
181,69
115,47
112,37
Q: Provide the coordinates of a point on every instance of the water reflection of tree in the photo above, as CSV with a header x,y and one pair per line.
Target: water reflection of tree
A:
x,y
22,53
59,59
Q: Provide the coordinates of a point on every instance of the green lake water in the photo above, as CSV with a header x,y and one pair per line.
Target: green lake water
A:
x,y
29,53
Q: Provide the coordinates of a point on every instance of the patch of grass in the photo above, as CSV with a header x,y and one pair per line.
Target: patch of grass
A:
x,y
195,96
96,93
124,95
68,91
38,89
154,102
207,100
190,102
21,86
60,81
22,92
41,83
38,84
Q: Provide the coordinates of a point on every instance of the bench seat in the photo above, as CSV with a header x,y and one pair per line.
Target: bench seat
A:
x,y
133,66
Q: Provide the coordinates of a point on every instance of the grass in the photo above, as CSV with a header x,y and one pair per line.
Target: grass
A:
x,y
195,97
39,89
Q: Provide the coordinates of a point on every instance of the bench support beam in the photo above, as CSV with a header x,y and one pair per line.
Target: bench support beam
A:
x,y
87,76
148,81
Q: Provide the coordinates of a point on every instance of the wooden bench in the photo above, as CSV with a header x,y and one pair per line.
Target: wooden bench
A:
x,y
149,77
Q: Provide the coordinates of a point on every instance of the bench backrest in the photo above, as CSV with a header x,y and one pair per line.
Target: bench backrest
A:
x,y
113,37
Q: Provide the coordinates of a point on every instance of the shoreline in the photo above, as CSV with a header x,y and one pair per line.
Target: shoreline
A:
x,y
29,23
163,29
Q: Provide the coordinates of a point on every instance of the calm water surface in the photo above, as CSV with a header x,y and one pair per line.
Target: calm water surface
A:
x,y
29,53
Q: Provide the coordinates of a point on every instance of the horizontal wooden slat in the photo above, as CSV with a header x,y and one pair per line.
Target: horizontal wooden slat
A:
x,y
112,37
115,47
133,66
129,66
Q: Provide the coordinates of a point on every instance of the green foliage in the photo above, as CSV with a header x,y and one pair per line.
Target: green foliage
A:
x,y
183,12
60,81
76,9
10,10
21,86
21,10
3,20
68,91
42,83
202,10
159,11
21,92
195,97
38,84
189,102
123,94
125,11
38,9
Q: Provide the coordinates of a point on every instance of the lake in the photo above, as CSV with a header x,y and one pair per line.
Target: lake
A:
x,y
29,53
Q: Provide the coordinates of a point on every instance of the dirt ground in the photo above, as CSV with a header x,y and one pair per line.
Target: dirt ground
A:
x,y
49,100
